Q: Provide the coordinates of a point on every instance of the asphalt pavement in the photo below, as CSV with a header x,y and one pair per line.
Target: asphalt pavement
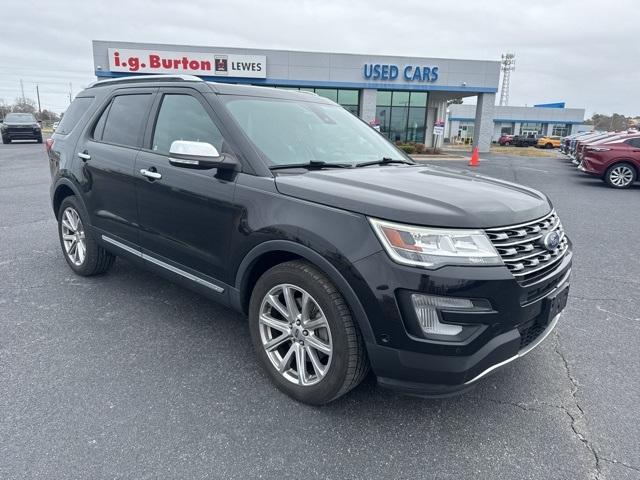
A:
x,y
129,376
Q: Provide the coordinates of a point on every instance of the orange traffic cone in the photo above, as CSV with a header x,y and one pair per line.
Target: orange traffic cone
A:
x,y
475,158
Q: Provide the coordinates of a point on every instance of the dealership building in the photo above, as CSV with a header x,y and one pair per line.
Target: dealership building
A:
x,y
546,119
405,97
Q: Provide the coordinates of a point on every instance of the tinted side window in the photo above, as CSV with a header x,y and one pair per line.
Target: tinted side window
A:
x,y
73,114
99,128
127,115
182,117
634,142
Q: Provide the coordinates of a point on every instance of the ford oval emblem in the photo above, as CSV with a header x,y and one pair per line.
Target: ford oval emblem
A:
x,y
551,240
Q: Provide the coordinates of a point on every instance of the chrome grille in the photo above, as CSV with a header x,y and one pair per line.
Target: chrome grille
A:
x,y
522,250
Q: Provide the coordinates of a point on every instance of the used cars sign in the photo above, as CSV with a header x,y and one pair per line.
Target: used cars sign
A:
x,y
193,63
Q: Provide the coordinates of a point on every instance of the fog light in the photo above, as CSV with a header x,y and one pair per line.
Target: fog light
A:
x,y
426,307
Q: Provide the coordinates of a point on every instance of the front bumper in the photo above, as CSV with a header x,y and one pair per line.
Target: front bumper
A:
x,y
16,133
592,166
518,321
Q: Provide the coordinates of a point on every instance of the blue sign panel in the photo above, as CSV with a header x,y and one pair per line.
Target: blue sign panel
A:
x,y
411,73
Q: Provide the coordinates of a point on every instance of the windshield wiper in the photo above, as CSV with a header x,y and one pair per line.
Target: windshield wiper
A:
x,y
312,165
384,161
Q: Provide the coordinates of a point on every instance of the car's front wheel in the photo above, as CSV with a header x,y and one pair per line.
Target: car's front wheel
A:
x,y
304,335
6,140
82,253
620,175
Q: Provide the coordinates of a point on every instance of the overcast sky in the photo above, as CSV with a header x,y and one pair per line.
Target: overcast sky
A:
x,y
588,56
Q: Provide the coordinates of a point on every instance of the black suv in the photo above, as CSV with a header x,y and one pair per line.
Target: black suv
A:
x,y
530,140
344,254
20,126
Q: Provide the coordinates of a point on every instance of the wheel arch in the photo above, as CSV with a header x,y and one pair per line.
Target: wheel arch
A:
x,y
274,252
626,161
65,188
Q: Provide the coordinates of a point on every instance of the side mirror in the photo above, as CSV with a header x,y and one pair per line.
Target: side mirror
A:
x,y
184,153
200,155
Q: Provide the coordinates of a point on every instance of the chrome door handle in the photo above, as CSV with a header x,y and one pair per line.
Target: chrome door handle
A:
x,y
150,174
84,156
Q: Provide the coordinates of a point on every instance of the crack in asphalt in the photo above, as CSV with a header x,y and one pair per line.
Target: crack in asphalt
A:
x,y
604,310
579,414
593,299
622,464
522,406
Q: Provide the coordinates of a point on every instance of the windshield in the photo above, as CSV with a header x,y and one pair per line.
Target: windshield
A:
x,y
20,118
291,132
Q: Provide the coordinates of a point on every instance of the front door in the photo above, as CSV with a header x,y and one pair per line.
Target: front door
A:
x,y
107,150
186,215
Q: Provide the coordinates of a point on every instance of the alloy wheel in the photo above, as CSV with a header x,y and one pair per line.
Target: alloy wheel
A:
x,y
295,334
73,237
621,176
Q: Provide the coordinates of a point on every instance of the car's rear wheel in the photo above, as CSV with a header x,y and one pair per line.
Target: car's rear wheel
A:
x,y
506,144
620,175
304,335
82,253
549,145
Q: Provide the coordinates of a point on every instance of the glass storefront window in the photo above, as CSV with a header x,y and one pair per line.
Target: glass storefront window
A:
x,y
531,128
348,97
400,99
329,93
383,115
560,130
418,99
402,115
416,124
383,98
465,132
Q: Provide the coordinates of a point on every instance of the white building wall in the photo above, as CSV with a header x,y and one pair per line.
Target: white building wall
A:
x,y
518,115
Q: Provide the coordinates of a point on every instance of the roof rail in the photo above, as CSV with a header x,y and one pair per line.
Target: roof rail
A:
x,y
146,78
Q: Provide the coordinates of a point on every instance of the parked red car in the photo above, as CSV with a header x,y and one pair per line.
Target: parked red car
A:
x,y
505,140
617,162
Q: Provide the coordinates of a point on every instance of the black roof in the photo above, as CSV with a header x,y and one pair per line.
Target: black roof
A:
x,y
217,87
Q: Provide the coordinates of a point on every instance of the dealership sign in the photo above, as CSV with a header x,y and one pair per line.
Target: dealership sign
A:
x,y
193,63
411,73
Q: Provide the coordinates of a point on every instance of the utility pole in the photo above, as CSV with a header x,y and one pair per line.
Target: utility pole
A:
x,y
38,95
22,90
507,65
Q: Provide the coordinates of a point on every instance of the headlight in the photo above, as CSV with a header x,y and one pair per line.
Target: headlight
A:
x,y
435,247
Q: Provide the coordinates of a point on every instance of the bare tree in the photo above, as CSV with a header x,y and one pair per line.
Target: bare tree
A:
x,y
24,105
4,108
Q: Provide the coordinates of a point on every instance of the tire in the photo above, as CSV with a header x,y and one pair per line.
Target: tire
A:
x,y
506,144
346,365
6,140
548,145
620,175
72,223
39,139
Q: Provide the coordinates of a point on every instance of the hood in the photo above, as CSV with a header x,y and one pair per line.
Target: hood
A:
x,y
420,195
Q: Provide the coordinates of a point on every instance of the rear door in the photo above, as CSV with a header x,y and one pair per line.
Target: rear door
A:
x,y
186,215
108,150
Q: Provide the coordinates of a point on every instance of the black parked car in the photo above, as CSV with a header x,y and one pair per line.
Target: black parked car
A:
x,y
20,126
343,253
526,140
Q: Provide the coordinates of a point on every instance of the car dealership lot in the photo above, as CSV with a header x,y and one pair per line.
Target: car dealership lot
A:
x,y
129,376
